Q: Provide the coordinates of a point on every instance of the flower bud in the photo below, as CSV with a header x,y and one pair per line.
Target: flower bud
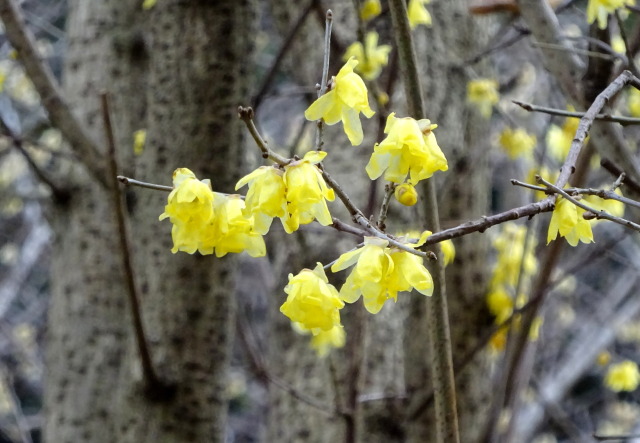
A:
x,y
406,194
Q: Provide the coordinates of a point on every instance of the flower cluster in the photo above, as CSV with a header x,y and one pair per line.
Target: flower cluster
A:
x,y
380,273
410,149
206,221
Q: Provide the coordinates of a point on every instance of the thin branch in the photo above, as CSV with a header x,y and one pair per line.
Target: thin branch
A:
x,y
599,214
615,437
631,64
612,168
624,121
389,189
53,101
154,386
557,47
59,193
325,73
133,182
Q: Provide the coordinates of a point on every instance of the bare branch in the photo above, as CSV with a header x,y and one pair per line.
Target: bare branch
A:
x,y
624,121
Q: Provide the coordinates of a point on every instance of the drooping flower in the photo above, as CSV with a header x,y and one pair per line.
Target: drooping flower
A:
x,y
266,197
410,148
406,194
623,376
567,220
371,58
380,273
517,143
483,93
344,102
448,251
600,9
312,301
207,221
418,14
370,9
306,192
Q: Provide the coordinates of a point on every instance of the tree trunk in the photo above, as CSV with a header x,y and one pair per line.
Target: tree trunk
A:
x,y
178,70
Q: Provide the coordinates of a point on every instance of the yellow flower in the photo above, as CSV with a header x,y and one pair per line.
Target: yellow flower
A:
x,y
324,341
517,143
510,247
623,376
406,194
600,9
371,58
306,192
613,207
380,273
148,4
418,14
484,94
345,101
139,137
312,301
448,251
191,200
559,139
370,9
603,358
498,341
410,148
633,102
567,221
266,197
205,221
500,304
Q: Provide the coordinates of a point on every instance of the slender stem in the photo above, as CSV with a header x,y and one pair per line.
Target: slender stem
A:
x,y
389,188
437,312
53,100
558,47
150,376
133,182
624,121
325,73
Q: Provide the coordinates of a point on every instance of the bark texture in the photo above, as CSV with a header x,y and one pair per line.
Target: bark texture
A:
x,y
178,70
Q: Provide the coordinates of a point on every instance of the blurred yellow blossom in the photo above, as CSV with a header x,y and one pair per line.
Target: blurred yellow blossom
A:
x,y
603,358
559,139
623,376
483,93
344,102
633,102
517,143
409,148
139,138
370,9
312,301
448,251
324,341
418,14
371,57
600,9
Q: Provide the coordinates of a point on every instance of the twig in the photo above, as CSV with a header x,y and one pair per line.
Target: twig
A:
x,y
133,182
389,189
624,121
557,47
53,101
436,307
60,194
616,171
153,384
286,45
615,437
325,73
631,64
599,214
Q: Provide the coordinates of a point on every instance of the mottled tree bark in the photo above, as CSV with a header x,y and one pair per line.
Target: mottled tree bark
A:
x,y
178,70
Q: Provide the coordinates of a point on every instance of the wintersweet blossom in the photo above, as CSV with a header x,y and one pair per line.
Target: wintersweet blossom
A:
x,y
567,220
448,251
324,341
266,197
370,9
559,139
517,143
380,273
483,93
600,9
312,301
371,57
623,376
418,14
410,148
344,102
406,194
306,192
206,221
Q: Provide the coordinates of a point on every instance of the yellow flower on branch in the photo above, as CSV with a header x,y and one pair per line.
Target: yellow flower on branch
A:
x,y
483,93
410,148
517,143
600,9
559,139
324,341
371,57
306,192
418,14
406,194
448,251
623,376
344,102
191,200
312,301
370,9
567,220
266,197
